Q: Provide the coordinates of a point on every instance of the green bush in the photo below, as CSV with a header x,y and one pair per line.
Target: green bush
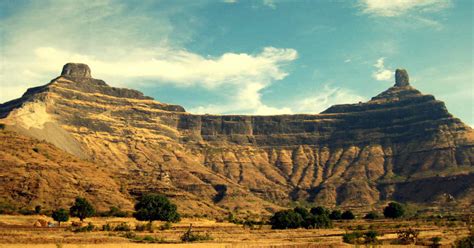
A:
x,y
435,242
152,207
371,216
122,227
394,210
89,228
37,209
347,215
467,242
352,238
300,217
335,215
319,211
369,237
60,215
106,227
81,209
286,219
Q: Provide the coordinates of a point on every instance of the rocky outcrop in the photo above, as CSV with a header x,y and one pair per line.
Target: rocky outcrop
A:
x,y
353,155
401,78
75,70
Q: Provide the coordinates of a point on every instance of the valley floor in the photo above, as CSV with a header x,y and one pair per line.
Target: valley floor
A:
x,y
19,231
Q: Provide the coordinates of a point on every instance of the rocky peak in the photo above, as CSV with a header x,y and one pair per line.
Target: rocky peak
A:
x,y
76,70
401,78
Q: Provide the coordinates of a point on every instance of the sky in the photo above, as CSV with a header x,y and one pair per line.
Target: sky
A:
x,y
245,57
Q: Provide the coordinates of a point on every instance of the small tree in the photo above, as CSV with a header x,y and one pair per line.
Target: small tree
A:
x,y
152,207
286,219
335,215
394,210
319,211
60,215
81,209
347,215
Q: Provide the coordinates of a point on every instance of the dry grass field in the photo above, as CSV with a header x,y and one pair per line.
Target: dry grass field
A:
x,y
19,231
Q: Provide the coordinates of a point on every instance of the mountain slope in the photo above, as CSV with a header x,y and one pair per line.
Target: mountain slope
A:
x,y
353,155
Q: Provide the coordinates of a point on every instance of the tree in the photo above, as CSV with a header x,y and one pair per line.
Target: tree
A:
x,y
319,211
335,215
60,215
81,209
394,210
286,219
319,221
152,207
347,215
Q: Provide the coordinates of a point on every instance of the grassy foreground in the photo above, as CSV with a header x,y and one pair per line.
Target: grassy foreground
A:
x,y
19,231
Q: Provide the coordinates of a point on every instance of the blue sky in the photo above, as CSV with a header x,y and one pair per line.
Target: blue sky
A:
x,y
245,57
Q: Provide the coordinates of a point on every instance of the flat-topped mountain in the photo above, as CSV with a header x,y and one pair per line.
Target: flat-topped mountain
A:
x,y
401,145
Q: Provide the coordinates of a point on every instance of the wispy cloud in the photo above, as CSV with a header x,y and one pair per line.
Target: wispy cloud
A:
x,y
326,97
391,8
269,3
382,73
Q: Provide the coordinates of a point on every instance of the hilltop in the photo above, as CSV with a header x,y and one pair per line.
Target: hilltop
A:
x,y
401,145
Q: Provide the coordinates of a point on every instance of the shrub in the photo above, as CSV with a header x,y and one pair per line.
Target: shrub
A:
x,y
193,237
467,242
347,215
25,211
106,227
165,226
122,227
369,237
408,236
116,212
60,215
352,238
38,209
435,242
319,211
286,219
156,207
322,221
335,215
89,228
371,216
81,209
394,210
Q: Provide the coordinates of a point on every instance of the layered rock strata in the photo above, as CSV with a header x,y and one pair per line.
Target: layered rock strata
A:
x,y
352,155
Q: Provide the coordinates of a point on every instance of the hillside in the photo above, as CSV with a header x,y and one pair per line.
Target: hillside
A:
x,y
401,145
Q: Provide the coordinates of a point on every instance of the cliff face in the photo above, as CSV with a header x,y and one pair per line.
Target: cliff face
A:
x,y
352,155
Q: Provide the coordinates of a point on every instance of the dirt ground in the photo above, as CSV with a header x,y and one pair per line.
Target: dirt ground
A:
x,y
19,231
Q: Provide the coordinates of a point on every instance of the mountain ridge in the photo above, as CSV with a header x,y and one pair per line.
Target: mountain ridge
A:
x,y
349,155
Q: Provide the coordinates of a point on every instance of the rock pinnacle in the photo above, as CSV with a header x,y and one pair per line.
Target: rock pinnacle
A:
x,y
76,70
401,78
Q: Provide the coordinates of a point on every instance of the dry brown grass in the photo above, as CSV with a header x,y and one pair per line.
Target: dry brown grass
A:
x,y
18,231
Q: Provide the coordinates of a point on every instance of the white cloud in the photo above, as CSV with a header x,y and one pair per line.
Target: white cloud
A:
x,y
390,8
179,67
325,98
128,47
382,73
269,3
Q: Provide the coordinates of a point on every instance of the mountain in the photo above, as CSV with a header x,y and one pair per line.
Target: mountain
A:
x,y
401,145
